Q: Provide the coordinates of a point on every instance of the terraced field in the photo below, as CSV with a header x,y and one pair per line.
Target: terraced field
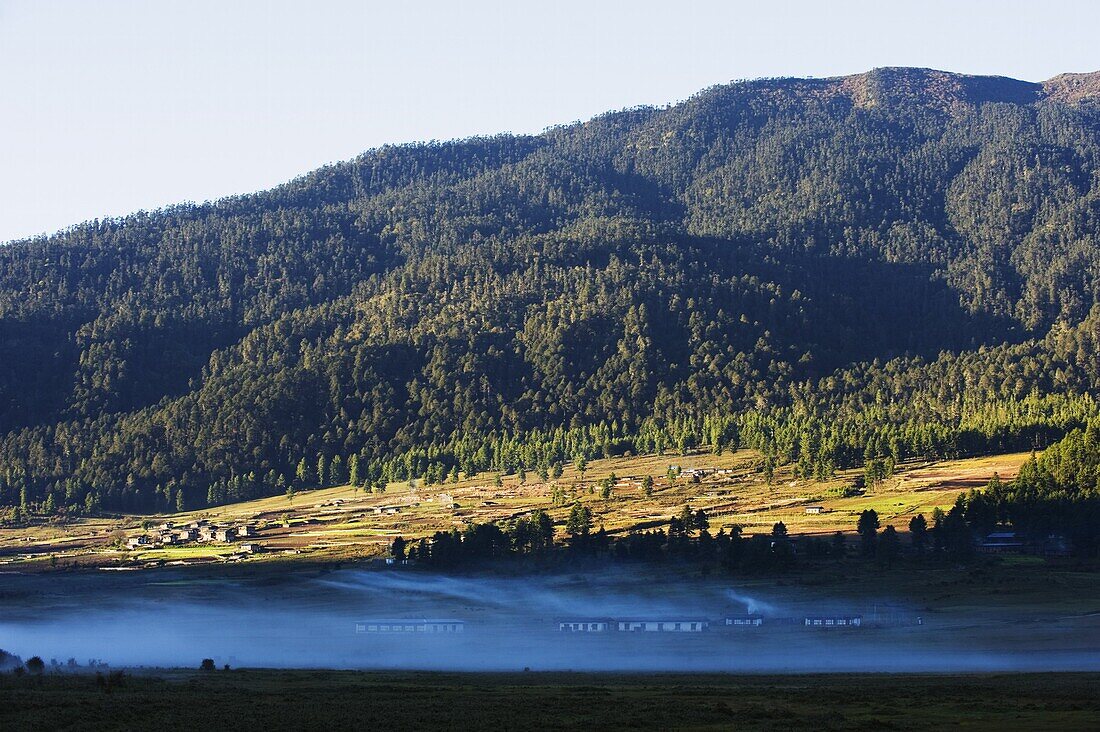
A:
x,y
343,523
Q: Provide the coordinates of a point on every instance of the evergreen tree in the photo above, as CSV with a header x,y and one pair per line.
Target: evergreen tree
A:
x,y
353,471
868,527
579,525
918,533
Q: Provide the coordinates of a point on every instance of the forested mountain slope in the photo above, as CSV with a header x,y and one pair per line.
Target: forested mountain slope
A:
x,y
904,261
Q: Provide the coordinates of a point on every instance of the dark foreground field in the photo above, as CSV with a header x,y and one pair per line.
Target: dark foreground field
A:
x,y
248,699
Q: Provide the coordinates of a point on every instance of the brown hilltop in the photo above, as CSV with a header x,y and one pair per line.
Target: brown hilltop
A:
x,y
945,90
1073,88
938,88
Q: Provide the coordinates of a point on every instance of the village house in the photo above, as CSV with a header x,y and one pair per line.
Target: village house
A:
x,y
815,509
186,535
1006,541
251,548
246,530
1001,542
225,535
167,537
137,541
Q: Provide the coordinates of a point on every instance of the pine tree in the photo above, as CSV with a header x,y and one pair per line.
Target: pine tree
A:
x,y
336,474
579,524
353,471
868,526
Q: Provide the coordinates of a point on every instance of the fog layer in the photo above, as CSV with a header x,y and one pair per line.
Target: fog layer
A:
x,y
173,618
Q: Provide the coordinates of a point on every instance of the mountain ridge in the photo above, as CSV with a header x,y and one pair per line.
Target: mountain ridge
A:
x,y
864,88
759,253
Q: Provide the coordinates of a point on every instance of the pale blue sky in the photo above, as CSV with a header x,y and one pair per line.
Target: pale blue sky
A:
x,y
109,106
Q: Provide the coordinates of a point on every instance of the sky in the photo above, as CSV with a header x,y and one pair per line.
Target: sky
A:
x,y
112,106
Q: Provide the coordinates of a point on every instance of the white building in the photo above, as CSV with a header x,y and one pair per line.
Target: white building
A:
x,y
584,626
135,541
686,625
409,625
745,620
833,621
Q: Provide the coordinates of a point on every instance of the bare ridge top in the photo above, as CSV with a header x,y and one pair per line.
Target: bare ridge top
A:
x,y
929,87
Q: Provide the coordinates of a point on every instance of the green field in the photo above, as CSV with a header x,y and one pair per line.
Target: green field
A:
x,y
333,700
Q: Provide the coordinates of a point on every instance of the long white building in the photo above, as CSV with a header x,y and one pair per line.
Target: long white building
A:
x,y
410,625
672,625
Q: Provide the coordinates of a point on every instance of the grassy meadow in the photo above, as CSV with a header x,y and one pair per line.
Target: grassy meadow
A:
x,y
334,700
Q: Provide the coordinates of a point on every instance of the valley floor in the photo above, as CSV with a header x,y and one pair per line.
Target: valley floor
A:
x,y
335,700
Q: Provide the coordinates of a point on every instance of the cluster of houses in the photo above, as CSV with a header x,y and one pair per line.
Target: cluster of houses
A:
x,y
201,531
698,625
700,472
678,624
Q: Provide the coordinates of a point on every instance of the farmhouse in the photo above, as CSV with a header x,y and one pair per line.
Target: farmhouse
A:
x,y
185,535
584,626
400,625
833,621
815,509
167,537
246,530
251,548
685,625
135,541
1001,542
1005,541
225,535
745,620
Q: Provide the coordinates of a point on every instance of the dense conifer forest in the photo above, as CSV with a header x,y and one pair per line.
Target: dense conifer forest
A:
x,y
837,272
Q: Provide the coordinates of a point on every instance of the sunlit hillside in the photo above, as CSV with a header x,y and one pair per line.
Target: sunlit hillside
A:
x,y
345,523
